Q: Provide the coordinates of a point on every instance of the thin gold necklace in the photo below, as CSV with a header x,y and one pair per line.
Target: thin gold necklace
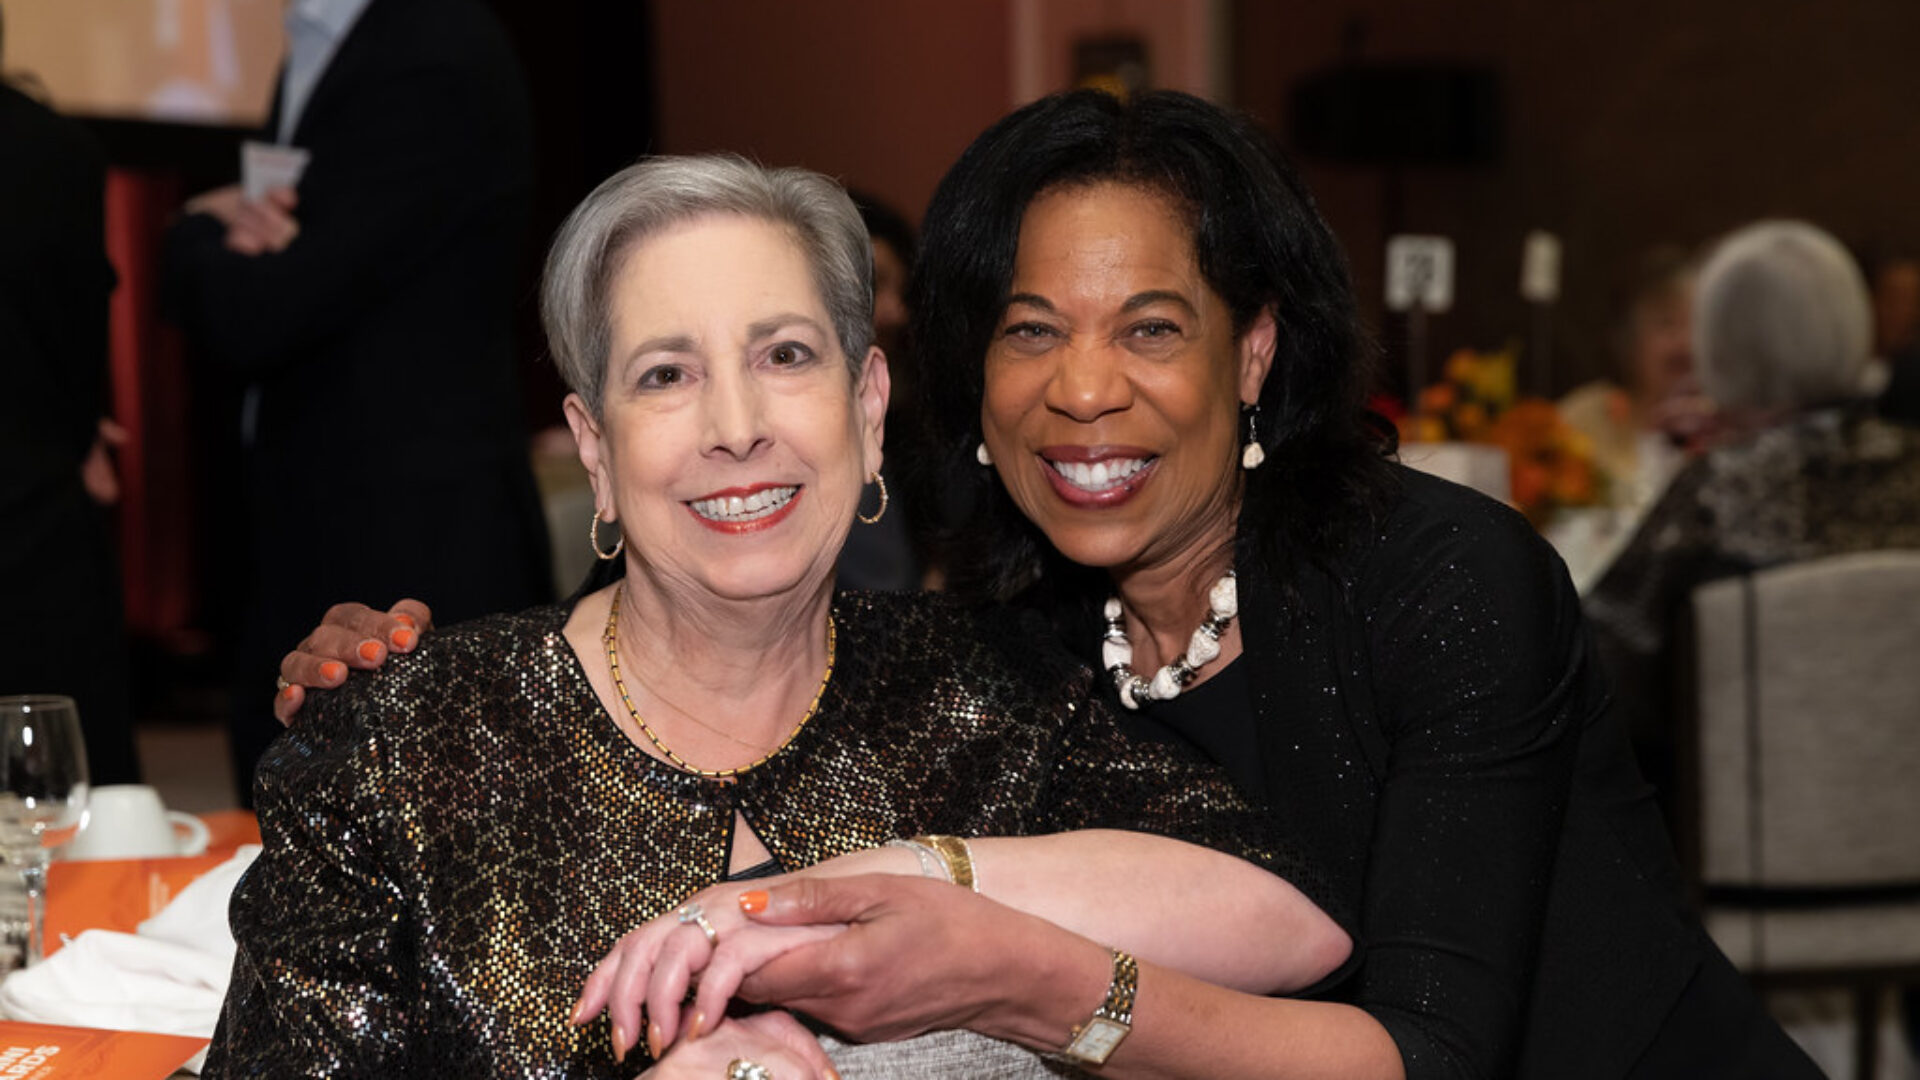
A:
x,y
611,638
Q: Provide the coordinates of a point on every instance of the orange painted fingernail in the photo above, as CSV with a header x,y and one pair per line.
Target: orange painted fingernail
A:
x,y
333,671
619,1043
408,619
699,1021
753,900
653,1040
578,1014
286,693
370,651
404,638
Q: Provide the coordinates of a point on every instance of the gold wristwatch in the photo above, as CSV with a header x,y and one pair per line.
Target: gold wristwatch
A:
x,y
1094,1041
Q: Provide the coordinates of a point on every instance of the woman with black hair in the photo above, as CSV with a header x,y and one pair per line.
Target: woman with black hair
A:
x,y
1141,359
1135,313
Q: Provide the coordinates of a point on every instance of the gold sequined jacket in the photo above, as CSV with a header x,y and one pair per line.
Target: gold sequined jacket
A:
x,y
453,842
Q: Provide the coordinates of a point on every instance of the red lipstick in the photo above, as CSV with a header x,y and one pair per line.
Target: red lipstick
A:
x,y
742,528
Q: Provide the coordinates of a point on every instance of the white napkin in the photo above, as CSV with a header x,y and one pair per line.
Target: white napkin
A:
x,y
169,978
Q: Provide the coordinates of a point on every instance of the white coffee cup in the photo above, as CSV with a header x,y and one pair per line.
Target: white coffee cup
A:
x,y
128,821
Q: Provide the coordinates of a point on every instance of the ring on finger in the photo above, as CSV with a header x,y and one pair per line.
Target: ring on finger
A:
x,y
281,683
697,915
742,1069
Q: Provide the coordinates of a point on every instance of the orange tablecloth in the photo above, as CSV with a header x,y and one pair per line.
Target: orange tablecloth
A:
x,y
120,894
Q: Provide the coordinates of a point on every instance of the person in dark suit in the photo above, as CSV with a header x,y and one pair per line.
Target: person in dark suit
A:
x,y
367,315
63,629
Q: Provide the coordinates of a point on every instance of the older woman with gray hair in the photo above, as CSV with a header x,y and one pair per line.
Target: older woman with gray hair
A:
x,y
455,843
1782,334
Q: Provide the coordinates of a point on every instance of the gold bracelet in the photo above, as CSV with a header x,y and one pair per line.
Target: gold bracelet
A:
x,y
953,851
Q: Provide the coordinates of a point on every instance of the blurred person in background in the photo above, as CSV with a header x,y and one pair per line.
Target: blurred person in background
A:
x,y
62,629
1895,281
1783,331
368,315
894,247
886,555
1895,285
1640,424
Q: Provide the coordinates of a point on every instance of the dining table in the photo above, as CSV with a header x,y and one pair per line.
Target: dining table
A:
x,y
113,895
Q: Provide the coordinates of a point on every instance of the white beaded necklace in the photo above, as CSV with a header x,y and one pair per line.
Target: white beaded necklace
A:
x,y
1116,651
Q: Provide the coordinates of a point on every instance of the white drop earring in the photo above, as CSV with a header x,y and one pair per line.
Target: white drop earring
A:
x,y
1252,455
982,454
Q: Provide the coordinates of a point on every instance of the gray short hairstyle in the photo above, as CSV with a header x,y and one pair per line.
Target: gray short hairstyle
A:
x,y
1781,319
643,199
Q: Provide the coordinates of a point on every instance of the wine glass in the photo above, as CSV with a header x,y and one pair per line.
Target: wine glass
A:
x,y
43,789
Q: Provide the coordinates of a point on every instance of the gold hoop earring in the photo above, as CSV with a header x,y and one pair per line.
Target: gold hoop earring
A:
x,y
593,540
877,514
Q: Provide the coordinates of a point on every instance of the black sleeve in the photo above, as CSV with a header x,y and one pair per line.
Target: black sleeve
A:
x,y
55,283
323,981
83,280
1637,606
1483,684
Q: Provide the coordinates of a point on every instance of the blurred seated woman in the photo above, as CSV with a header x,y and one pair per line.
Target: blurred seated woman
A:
x,y
1783,332
453,843
1640,425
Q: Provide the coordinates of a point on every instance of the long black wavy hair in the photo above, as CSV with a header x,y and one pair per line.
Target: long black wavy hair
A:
x,y
1261,244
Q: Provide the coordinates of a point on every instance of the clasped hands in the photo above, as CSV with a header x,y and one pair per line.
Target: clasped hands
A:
x,y
874,956
656,965
260,227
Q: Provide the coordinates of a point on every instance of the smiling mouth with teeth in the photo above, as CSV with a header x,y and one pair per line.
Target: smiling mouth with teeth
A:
x,y
740,509
1099,475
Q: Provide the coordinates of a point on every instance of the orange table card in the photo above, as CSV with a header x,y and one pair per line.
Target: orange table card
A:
x,y
115,894
46,1052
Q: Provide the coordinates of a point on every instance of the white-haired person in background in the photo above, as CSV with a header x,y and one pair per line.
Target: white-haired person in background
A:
x,y
1783,332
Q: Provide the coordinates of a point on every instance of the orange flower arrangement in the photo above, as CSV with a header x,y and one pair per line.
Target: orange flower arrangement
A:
x,y
1475,401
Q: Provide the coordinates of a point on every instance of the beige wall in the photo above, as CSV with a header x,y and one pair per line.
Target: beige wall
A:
x,y
205,61
1630,122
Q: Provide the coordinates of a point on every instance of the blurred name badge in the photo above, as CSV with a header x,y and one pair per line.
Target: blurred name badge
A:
x,y
1419,273
264,166
1540,268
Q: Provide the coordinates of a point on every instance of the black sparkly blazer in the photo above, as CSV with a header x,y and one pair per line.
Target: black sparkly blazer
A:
x,y
453,842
